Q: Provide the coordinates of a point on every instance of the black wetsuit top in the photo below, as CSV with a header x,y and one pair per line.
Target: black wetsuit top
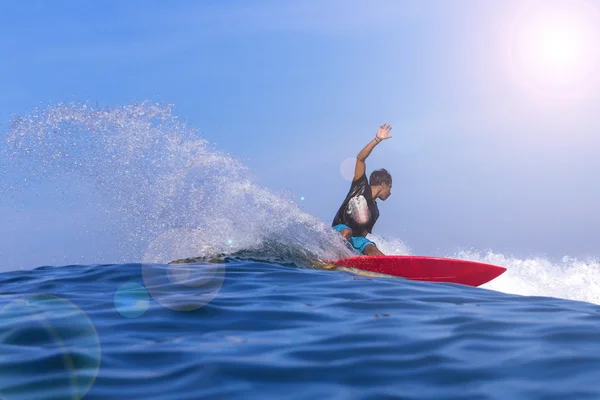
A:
x,y
359,210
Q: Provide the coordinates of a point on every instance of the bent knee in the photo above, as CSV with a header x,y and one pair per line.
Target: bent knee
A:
x,y
346,233
372,250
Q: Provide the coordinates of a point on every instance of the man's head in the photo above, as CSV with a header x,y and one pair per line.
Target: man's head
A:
x,y
382,180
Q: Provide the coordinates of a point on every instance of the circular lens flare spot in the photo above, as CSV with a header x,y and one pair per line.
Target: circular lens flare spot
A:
x,y
185,285
131,300
48,345
347,168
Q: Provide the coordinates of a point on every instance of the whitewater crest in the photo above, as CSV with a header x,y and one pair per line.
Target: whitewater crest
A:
x,y
568,278
163,181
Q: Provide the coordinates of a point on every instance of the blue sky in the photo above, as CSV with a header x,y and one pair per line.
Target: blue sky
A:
x,y
480,159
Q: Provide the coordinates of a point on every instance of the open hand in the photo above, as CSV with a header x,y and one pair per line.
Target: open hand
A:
x,y
383,132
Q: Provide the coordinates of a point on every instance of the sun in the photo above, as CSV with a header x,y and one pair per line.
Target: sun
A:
x,y
555,46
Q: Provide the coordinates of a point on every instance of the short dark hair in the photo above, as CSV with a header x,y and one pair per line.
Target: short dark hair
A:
x,y
380,177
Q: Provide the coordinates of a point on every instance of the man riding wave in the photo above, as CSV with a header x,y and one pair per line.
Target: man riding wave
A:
x,y
359,212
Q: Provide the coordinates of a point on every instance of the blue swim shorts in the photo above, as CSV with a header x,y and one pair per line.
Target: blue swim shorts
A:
x,y
358,242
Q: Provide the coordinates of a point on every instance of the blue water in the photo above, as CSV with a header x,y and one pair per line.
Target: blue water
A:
x,y
251,317
259,329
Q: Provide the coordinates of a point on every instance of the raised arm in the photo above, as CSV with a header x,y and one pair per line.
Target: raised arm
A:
x,y
382,134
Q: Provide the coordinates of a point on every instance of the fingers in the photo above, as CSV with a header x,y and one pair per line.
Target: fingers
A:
x,y
387,127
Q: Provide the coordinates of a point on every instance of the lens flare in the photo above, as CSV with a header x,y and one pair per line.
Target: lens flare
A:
x,y
54,346
554,46
347,168
181,286
131,300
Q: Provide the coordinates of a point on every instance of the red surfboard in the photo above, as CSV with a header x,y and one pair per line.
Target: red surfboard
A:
x,y
429,269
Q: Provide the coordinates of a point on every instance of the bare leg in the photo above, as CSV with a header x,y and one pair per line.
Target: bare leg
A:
x,y
346,233
372,250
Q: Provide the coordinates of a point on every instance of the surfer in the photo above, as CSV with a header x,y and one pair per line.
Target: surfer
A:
x,y
359,212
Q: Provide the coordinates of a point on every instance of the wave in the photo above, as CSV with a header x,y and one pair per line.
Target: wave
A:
x,y
174,196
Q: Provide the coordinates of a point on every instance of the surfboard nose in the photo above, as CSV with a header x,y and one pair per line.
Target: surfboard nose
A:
x,y
429,269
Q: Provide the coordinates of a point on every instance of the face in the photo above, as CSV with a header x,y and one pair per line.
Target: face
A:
x,y
386,192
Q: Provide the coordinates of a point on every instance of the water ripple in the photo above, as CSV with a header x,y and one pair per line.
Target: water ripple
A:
x,y
277,331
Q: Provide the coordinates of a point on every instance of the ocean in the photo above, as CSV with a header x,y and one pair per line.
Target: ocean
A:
x,y
251,316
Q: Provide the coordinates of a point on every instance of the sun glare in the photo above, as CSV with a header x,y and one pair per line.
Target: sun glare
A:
x,y
555,46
